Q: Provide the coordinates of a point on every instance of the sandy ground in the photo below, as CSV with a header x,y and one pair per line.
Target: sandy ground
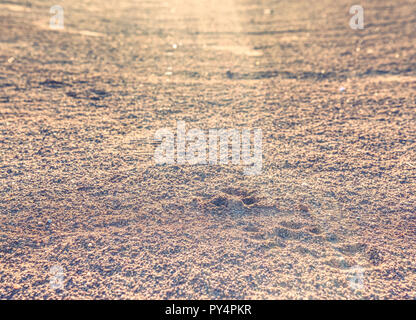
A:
x,y
80,190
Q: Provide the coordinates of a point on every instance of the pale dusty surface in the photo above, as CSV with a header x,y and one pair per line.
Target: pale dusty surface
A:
x,y
79,109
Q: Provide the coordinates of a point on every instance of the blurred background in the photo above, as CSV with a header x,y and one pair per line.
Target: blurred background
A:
x,y
86,213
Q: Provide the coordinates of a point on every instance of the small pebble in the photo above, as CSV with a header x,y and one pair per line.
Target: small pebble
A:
x,y
229,74
303,208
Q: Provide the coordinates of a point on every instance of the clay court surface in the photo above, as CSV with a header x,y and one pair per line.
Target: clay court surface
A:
x,y
80,189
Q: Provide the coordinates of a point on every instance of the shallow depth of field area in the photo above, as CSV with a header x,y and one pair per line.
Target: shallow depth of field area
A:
x,y
86,213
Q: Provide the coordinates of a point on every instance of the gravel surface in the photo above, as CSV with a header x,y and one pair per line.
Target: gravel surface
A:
x,y
86,213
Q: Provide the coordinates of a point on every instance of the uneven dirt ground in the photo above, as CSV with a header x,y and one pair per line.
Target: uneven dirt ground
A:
x,y
79,187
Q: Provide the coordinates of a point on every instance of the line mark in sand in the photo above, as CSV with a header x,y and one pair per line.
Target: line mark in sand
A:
x,y
14,7
238,50
391,78
45,26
